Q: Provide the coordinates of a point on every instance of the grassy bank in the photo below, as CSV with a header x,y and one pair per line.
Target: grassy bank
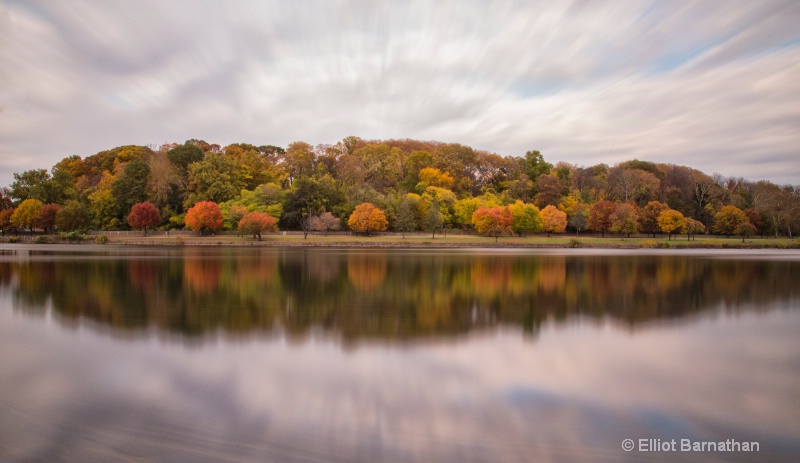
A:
x,y
419,240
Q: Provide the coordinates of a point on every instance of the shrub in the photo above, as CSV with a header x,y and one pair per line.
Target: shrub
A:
x,y
573,243
101,239
13,239
650,244
179,241
41,239
74,236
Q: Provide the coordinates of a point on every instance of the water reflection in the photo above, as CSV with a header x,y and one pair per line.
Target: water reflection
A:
x,y
384,295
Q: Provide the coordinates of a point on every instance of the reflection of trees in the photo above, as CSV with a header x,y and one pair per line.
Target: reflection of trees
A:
x,y
387,295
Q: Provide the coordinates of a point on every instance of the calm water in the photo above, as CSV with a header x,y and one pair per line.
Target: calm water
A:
x,y
308,355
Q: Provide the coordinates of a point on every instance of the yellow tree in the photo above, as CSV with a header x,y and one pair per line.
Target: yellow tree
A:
x,y
671,221
367,218
728,219
432,176
526,218
25,214
553,220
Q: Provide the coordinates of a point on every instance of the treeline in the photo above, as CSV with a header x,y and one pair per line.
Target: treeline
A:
x,y
403,185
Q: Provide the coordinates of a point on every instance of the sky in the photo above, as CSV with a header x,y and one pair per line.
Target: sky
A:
x,y
714,85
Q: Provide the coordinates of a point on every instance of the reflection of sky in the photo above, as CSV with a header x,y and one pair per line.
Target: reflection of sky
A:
x,y
572,394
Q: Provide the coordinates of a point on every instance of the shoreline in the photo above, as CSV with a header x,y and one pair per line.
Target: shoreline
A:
x,y
417,242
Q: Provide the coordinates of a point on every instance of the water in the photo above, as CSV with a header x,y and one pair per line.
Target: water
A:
x,y
242,354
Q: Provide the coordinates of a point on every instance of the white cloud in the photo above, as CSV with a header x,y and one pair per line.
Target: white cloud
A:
x,y
704,84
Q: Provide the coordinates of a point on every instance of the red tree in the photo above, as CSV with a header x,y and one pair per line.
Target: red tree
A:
x,y
256,223
144,215
600,216
495,221
204,215
46,218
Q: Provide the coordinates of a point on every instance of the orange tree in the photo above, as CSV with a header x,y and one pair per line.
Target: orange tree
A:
x,y
203,216
144,215
494,222
554,221
600,216
257,222
367,218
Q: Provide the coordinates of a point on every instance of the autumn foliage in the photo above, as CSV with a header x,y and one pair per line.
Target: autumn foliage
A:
x,y
495,222
255,223
144,215
204,216
367,218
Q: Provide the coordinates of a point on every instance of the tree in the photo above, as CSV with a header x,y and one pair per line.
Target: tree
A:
x,y
577,220
144,215
692,227
325,222
625,219
432,176
256,223
493,222
31,184
406,220
367,218
534,165
216,178
648,217
745,229
73,216
25,214
131,187
727,219
670,221
600,216
551,190
526,218
46,218
203,216
553,220
434,219
5,220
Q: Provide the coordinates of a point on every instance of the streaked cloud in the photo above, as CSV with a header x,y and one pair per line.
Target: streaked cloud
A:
x,y
712,85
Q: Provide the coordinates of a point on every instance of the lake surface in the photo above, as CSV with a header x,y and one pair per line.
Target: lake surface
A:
x,y
308,355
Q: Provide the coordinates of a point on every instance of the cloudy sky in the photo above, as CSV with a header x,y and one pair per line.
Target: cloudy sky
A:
x,y
712,84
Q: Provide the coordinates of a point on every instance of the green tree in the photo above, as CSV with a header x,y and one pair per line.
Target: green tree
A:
x,y
405,220
625,219
745,229
31,184
526,218
131,187
434,220
215,178
534,165
73,216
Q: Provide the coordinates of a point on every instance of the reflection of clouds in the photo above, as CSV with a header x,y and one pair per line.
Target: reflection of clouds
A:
x,y
574,394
